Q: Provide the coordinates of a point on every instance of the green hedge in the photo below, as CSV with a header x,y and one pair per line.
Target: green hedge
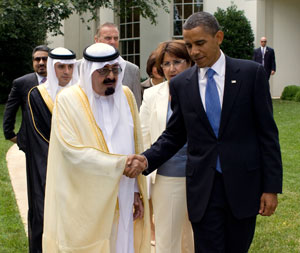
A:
x,y
291,92
297,97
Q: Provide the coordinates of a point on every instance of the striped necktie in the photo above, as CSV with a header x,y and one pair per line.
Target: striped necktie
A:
x,y
43,80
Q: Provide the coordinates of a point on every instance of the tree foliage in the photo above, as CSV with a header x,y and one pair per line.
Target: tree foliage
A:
x,y
238,35
24,24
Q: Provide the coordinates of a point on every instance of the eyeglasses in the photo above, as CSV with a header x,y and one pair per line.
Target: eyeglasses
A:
x,y
105,71
38,59
175,63
263,41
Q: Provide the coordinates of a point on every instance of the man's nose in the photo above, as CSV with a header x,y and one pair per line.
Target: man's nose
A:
x,y
67,70
110,74
193,51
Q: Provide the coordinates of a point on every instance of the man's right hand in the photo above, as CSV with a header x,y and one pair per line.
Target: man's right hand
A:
x,y
135,164
14,139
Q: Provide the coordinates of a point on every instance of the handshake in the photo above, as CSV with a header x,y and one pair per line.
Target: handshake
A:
x,y
135,164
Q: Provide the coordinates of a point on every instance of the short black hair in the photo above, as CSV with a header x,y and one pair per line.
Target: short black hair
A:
x,y
204,19
41,48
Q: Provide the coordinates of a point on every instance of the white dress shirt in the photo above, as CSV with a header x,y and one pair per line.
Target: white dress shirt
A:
x,y
219,77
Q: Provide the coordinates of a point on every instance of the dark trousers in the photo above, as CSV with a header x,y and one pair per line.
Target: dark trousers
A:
x,y
34,218
219,230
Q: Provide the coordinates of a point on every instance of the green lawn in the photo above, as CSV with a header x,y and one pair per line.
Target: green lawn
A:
x,y
12,234
279,233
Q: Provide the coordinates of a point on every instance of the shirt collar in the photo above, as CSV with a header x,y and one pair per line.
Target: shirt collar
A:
x,y
218,67
39,77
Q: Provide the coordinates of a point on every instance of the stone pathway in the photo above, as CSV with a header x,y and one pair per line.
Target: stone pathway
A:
x,y
16,164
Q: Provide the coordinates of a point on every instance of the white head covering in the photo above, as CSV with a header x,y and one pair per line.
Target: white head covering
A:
x,y
113,116
64,56
112,113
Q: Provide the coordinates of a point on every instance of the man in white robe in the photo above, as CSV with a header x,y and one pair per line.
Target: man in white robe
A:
x,y
89,205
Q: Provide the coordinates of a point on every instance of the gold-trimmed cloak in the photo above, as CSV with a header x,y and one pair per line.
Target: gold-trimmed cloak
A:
x,y
82,181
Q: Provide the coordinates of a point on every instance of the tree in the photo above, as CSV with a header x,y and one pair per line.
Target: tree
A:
x,y
24,24
238,35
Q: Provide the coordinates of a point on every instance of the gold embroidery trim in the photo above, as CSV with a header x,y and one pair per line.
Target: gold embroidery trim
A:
x,y
86,105
46,97
31,113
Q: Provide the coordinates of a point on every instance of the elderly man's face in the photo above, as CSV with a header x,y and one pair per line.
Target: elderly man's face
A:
x,y
39,62
104,80
64,73
108,35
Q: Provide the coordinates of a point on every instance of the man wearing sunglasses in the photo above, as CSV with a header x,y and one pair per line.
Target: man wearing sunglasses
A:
x,y
18,96
89,203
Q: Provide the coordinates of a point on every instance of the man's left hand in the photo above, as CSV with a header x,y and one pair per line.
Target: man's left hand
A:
x,y
272,72
268,204
138,207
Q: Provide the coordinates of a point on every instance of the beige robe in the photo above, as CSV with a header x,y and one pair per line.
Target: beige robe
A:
x,y
81,207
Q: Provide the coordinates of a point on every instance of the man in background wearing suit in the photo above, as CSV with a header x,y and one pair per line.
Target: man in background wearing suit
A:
x,y
18,95
222,108
109,33
265,56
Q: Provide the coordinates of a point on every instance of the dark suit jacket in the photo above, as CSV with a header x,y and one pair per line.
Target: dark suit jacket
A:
x,y
269,59
247,145
18,97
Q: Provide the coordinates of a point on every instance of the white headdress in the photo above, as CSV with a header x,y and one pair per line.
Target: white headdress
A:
x,y
64,56
112,113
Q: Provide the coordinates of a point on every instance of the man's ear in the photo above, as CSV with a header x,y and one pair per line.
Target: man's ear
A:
x,y
220,36
96,39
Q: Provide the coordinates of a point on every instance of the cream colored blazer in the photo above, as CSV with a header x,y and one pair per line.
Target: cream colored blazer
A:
x,y
153,115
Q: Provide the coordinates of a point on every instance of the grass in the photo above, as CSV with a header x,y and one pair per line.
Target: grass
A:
x,y
12,234
281,232
276,234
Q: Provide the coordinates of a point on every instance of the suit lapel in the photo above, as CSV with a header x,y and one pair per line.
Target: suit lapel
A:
x,y
195,98
231,90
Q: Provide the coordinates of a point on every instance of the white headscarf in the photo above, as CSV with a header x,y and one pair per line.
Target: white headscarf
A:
x,y
112,113
113,116
52,82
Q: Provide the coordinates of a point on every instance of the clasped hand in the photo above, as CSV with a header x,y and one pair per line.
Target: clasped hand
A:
x,y
135,164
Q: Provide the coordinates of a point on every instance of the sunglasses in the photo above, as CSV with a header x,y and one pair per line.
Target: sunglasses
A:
x,y
38,59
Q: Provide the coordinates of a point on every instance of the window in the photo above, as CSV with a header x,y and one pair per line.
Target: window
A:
x,y
130,36
181,11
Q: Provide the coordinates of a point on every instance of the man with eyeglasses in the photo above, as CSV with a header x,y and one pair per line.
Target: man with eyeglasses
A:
x,y
265,56
88,202
18,96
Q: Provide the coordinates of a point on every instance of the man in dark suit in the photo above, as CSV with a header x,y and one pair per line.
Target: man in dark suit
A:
x,y
265,56
18,96
222,107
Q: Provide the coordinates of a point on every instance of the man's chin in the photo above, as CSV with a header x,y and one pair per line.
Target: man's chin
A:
x,y
109,91
42,73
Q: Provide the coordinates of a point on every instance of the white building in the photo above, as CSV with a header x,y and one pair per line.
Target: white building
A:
x,y
278,20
